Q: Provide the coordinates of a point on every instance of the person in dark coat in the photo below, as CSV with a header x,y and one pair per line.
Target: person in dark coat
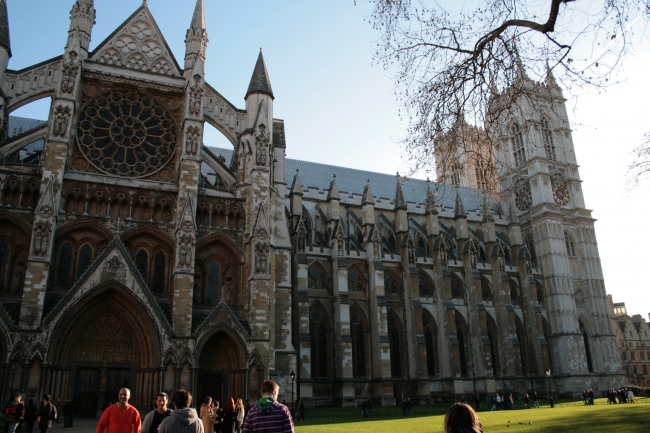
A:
x,y
228,423
31,415
45,414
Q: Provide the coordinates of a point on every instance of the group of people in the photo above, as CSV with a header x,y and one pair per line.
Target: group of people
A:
x,y
500,401
17,415
407,407
265,416
366,407
623,395
227,419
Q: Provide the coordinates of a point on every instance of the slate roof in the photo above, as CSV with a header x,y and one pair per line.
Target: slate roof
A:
x,y
260,82
18,125
352,181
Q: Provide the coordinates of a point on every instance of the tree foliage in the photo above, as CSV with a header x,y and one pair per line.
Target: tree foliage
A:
x,y
450,59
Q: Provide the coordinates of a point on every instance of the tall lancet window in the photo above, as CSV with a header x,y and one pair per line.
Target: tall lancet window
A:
x,y
518,149
549,146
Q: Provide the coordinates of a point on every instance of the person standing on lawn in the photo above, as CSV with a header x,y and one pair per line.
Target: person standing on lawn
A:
x,y
268,416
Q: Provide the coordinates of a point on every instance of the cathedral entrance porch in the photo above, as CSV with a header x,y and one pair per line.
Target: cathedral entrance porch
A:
x,y
220,369
103,344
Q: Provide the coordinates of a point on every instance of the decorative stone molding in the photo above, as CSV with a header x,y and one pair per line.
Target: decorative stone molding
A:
x,y
192,138
61,119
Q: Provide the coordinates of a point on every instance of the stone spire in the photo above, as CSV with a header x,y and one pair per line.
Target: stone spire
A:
x,y
550,78
333,193
400,203
4,27
82,20
367,197
196,38
296,187
459,209
260,82
520,70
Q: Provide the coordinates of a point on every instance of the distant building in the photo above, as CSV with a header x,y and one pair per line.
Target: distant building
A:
x,y
633,339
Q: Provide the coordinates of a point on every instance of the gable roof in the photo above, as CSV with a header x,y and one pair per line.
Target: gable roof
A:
x,y
133,37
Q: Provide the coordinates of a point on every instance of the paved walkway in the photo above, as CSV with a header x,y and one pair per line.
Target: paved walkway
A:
x,y
81,425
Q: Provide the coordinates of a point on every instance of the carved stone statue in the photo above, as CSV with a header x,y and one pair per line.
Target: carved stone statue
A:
x,y
69,77
502,266
261,258
443,256
185,251
472,259
411,252
192,140
61,117
196,93
261,155
375,249
42,238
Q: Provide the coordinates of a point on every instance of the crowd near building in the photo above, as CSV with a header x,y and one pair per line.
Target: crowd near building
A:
x,y
134,255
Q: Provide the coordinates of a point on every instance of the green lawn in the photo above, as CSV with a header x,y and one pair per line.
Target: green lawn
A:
x,y
628,418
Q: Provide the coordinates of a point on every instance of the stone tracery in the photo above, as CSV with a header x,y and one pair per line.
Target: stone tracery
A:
x,y
126,133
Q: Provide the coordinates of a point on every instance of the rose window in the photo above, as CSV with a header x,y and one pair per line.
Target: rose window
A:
x,y
126,133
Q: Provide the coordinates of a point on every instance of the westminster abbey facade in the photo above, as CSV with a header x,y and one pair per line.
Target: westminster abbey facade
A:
x,y
133,254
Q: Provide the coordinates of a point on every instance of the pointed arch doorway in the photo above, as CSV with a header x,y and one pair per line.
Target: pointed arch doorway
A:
x,y
100,346
221,373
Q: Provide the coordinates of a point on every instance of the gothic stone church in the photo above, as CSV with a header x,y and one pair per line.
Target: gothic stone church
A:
x,y
133,254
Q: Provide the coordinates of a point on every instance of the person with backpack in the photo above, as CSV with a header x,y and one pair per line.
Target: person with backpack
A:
x,y
14,412
45,414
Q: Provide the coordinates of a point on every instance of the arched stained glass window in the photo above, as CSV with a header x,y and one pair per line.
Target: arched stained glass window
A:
x,y
355,282
159,273
425,285
84,260
141,262
317,279
64,266
456,288
213,283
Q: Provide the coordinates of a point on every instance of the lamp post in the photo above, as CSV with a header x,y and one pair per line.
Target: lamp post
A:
x,y
550,396
293,376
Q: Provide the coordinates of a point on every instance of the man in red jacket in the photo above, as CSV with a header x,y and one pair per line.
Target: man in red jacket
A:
x,y
120,417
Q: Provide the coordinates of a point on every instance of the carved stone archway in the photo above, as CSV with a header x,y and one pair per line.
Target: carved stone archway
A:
x,y
222,371
101,345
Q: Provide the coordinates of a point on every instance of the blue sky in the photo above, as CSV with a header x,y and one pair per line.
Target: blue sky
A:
x,y
339,109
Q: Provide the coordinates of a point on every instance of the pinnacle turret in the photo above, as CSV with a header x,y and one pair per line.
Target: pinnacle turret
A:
x,y
333,193
260,82
459,209
196,38
82,20
429,201
296,187
367,197
400,203
4,27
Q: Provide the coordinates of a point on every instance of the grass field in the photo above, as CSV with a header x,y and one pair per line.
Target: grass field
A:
x,y
628,418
